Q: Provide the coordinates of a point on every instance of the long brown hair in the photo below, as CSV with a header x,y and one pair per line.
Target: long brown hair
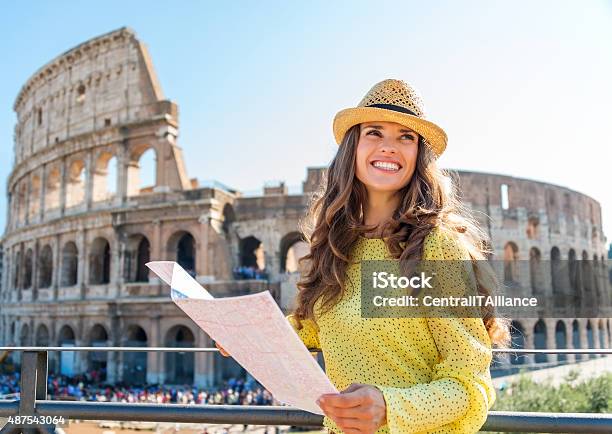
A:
x,y
334,221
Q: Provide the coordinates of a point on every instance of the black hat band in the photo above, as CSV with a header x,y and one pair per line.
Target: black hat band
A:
x,y
394,107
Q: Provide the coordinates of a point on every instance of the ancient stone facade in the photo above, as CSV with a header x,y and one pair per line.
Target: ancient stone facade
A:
x,y
79,232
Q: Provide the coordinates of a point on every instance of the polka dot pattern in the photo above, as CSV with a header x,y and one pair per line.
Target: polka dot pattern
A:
x,y
433,372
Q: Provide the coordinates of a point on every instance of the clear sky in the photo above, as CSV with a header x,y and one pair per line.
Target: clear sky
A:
x,y
522,88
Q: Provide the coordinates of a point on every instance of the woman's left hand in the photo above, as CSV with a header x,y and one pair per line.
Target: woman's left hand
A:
x,y
358,409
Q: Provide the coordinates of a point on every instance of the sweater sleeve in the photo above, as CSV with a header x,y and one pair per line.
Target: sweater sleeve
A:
x,y
308,333
460,392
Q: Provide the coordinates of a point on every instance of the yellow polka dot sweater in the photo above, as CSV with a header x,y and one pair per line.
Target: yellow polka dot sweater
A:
x,y
433,372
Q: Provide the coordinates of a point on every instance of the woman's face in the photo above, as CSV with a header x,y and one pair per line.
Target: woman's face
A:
x,y
386,156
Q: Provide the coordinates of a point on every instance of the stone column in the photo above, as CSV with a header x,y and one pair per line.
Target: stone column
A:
x,y
596,342
155,364
63,180
204,362
122,167
114,364
584,340
9,210
89,176
551,341
5,288
571,358
83,266
117,262
57,267
35,259
529,344
156,254
21,272
202,265
27,199
81,357
43,193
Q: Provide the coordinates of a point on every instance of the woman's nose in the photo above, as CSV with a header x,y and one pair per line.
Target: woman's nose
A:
x,y
387,145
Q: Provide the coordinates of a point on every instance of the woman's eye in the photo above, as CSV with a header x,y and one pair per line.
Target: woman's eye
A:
x,y
377,133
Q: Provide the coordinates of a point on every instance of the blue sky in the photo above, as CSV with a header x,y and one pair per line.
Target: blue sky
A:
x,y
522,88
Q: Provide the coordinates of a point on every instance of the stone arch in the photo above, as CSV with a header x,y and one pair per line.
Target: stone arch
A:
x,y
135,363
45,267
179,366
99,261
67,338
576,338
536,276
75,187
292,248
561,339
97,360
252,253
24,336
517,334
539,340
21,202
182,246
34,201
42,336
590,337
602,334
229,217
13,330
17,270
142,170
138,254
66,335
52,189
104,177
28,264
70,264
511,256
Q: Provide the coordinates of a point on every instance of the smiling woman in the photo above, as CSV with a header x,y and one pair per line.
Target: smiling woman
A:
x,y
386,198
396,375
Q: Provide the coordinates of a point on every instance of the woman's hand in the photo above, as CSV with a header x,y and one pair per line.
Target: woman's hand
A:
x,y
221,350
358,409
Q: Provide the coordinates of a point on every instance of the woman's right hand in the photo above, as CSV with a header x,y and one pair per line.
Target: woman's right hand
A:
x,y
221,350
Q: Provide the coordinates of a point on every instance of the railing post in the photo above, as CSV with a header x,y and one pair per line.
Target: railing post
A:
x,y
42,370
32,386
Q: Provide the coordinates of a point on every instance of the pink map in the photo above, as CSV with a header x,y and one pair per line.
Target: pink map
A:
x,y
254,330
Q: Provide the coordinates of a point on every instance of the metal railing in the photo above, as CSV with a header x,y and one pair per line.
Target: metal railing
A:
x,y
32,406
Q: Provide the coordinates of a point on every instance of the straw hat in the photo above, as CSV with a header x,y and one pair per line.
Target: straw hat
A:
x,y
392,101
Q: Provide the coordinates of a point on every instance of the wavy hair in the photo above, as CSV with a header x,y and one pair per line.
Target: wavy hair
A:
x,y
335,221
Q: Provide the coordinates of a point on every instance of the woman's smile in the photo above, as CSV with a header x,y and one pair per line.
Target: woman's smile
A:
x,y
386,166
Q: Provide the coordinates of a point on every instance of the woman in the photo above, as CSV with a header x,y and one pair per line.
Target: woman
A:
x,y
385,197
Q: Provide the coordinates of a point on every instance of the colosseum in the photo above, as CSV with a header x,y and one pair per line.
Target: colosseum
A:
x,y
82,223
